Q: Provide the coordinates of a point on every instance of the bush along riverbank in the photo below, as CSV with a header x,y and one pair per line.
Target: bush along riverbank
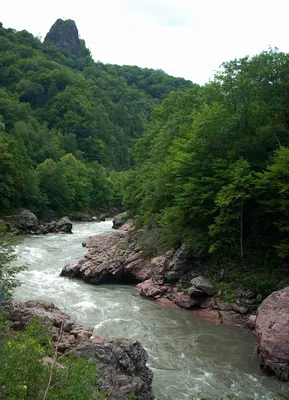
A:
x,y
178,279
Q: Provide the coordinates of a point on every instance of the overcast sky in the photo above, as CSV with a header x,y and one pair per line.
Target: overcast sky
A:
x,y
185,38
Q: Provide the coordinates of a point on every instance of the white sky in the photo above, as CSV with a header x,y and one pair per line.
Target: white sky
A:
x,y
186,38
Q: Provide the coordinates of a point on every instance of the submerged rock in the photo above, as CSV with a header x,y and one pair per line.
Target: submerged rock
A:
x,y
122,362
272,329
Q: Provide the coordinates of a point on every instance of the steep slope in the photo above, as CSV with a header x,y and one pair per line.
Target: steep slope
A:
x,y
55,100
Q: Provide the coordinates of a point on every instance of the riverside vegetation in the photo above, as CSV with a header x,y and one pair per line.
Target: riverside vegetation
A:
x,y
24,373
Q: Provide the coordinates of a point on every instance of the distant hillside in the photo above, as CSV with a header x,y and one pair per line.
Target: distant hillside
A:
x,y
56,100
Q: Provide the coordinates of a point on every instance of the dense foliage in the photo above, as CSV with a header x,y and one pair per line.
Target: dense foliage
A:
x,y
30,369
212,169
66,122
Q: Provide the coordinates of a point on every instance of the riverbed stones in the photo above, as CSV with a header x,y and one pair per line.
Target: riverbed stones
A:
x,y
272,329
122,369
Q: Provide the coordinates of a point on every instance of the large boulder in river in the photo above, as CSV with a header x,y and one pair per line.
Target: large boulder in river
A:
x,y
109,259
25,220
122,369
272,328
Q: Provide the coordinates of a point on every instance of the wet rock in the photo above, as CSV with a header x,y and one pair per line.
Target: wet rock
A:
x,y
123,367
127,226
272,327
251,323
121,363
183,300
204,285
64,225
119,220
136,269
150,289
109,260
163,301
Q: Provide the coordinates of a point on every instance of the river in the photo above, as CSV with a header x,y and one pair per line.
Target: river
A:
x,y
188,356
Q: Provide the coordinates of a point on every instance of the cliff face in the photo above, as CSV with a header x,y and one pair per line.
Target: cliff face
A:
x,y
64,34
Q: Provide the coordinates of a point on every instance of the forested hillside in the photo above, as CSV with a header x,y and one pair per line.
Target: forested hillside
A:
x,y
66,122
213,171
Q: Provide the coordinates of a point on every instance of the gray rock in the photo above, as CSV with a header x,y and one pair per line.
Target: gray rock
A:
x,y
204,285
64,35
194,292
26,220
64,225
245,293
180,262
119,220
259,298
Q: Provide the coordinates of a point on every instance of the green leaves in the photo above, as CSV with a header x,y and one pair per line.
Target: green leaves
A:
x,y
25,374
8,269
199,165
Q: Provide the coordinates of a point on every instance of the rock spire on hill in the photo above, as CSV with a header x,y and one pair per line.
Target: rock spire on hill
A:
x,y
64,35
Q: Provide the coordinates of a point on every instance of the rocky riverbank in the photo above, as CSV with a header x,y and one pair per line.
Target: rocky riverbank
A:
x,y
178,279
175,279
122,362
25,222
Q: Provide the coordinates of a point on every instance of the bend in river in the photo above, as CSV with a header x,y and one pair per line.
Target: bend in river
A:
x,y
188,356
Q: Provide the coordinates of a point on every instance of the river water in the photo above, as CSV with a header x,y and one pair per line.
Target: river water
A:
x,y
188,356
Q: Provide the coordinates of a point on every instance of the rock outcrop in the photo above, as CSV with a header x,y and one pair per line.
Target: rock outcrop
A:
x,y
122,362
64,35
176,278
109,259
272,329
117,258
